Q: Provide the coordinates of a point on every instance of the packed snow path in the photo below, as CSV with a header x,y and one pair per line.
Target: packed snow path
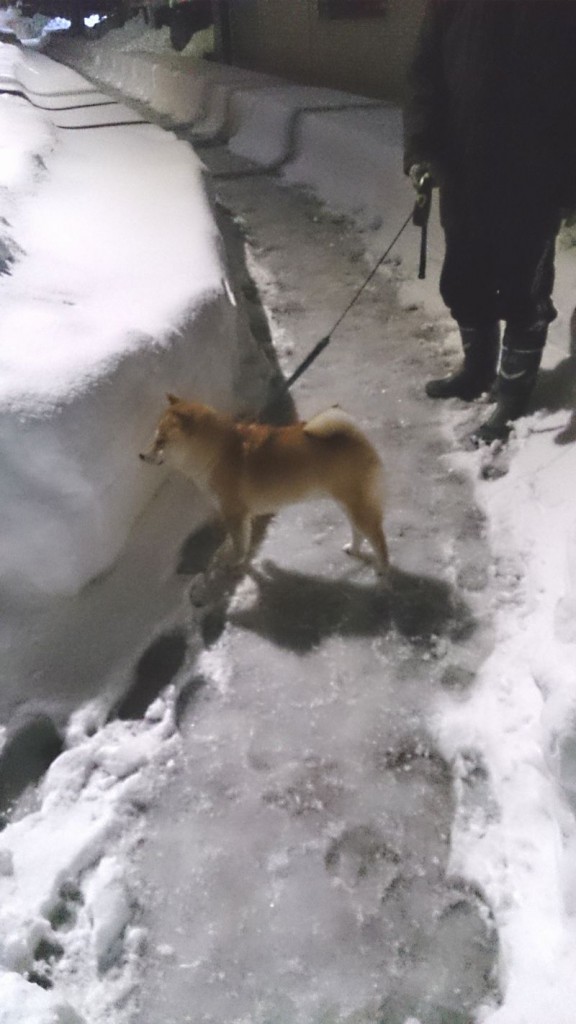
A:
x,y
296,869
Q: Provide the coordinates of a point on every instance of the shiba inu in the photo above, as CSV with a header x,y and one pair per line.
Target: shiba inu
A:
x,y
253,469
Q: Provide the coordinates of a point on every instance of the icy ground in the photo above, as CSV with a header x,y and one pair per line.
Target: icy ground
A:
x,y
370,802
309,822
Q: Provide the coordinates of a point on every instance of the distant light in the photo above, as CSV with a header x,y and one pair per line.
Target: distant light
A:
x,y
94,19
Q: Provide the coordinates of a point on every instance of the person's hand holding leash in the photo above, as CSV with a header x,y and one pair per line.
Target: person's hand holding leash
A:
x,y
422,176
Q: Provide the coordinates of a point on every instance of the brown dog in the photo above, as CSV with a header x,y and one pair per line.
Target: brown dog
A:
x,y
251,469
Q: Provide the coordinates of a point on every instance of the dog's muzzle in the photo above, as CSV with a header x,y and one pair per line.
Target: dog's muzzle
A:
x,y
152,458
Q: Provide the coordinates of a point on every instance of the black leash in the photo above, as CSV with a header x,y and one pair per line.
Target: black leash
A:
x,y
419,217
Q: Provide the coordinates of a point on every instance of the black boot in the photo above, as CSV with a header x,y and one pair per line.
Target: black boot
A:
x,y
478,370
521,358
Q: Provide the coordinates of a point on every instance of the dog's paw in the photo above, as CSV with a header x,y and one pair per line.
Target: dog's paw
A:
x,y
226,563
354,551
224,556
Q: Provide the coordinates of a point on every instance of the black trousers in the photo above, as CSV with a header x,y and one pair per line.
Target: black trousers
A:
x,y
499,262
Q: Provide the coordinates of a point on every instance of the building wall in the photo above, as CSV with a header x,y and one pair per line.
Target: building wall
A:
x,y
288,38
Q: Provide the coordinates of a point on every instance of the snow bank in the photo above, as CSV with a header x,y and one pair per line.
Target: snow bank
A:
x,y
21,1003
517,729
114,293
67,905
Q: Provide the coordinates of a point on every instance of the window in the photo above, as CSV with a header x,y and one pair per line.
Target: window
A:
x,y
352,8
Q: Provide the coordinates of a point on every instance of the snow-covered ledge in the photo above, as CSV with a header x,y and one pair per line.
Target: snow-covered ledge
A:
x,y
114,291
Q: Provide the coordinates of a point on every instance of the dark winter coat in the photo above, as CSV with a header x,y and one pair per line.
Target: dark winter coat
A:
x,y
492,102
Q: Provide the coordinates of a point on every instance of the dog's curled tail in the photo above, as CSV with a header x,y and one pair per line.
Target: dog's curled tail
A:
x,y
332,421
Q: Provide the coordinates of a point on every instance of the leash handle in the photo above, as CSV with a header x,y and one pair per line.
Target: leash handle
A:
x,y
423,251
420,218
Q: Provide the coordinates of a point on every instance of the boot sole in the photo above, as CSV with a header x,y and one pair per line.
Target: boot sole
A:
x,y
465,394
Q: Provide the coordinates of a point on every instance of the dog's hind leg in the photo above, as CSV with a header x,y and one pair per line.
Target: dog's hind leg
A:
x,y
366,522
377,540
354,548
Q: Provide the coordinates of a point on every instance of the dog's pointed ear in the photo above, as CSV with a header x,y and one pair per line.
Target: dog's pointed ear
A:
x,y
172,399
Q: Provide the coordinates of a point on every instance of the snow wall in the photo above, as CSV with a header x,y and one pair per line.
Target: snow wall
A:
x,y
115,290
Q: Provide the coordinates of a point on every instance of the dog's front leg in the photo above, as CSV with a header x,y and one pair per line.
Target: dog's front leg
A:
x,y
239,528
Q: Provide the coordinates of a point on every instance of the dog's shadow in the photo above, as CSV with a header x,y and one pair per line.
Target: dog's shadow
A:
x,y
297,612
198,550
